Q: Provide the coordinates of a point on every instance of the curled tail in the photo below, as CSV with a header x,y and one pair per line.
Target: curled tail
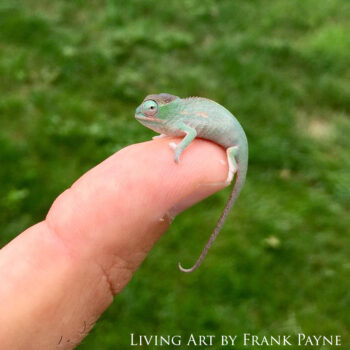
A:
x,y
239,182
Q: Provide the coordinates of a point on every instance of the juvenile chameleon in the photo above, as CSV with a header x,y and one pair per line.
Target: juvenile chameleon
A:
x,y
199,117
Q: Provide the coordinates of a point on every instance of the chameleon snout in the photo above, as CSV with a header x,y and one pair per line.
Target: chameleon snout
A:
x,y
138,112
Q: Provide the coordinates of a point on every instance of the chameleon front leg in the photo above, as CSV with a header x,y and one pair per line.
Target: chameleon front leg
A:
x,y
191,133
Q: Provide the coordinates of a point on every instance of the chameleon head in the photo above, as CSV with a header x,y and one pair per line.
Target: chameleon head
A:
x,y
150,113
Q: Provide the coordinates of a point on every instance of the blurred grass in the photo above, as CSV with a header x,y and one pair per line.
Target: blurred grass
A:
x,y
71,75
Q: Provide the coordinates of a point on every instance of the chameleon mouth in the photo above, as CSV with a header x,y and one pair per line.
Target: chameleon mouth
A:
x,y
142,117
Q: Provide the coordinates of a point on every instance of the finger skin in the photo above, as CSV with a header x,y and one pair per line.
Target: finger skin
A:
x,y
58,276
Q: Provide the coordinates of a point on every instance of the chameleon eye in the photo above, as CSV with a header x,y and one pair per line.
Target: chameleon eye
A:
x,y
149,108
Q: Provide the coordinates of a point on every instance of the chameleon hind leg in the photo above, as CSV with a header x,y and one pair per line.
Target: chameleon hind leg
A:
x,y
190,134
232,153
232,162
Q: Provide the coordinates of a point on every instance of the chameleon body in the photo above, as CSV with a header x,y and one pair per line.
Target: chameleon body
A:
x,y
199,117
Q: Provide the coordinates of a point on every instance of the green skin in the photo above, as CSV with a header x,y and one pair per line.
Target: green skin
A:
x,y
199,117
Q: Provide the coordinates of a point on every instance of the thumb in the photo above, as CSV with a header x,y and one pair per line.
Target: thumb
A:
x,y
94,237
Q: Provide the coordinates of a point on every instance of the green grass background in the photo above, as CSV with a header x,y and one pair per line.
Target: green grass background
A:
x,y
71,76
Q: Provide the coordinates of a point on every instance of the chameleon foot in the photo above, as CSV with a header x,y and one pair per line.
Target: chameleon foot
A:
x,y
232,164
172,145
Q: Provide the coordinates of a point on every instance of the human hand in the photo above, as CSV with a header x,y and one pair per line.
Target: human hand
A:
x,y
58,276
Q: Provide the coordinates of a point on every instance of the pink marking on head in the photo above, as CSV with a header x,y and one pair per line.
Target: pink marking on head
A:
x,y
202,114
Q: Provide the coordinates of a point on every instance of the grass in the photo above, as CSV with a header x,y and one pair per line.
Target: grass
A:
x,y
71,75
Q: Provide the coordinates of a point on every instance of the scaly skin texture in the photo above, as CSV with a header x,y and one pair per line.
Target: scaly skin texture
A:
x,y
199,117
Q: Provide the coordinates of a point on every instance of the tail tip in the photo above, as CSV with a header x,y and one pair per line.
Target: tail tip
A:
x,y
185,270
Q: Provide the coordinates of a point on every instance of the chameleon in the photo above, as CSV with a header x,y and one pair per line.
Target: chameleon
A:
x,y
193,117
